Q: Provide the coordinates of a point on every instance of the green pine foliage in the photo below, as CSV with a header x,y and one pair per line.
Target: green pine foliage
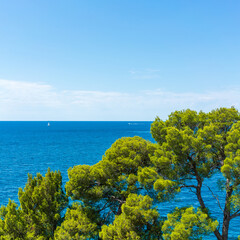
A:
x,y
121,196
199,145
78,224
12,222
186,223
138,220
41,203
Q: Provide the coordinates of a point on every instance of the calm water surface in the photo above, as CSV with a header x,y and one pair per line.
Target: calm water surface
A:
x,y
31,147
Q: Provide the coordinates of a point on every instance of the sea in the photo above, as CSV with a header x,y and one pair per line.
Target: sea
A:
x,y
30,147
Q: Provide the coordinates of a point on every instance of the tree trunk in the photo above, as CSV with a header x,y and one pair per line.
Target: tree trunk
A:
x,y
119,211
199,195
202,204
225,227
226,213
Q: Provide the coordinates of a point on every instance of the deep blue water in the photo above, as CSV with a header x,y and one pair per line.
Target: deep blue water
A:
x,y
31,147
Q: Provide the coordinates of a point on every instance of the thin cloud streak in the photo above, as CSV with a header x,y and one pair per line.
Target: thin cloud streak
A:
x,y
39,101
145,74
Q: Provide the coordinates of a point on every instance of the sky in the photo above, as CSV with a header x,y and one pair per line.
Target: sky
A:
x,y
117,60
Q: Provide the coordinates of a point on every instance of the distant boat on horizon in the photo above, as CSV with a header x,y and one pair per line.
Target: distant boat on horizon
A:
x,y
48,124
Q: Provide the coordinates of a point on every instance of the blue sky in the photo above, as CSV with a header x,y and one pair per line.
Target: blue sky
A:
x,y
117,60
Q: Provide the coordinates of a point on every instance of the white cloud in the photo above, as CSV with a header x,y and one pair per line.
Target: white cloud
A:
x,y
18,93
39,101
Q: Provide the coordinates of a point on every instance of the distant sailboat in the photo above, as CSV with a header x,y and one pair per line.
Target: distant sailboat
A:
x,y
48,124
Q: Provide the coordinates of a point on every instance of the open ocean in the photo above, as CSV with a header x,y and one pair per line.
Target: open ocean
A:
x,y
31,147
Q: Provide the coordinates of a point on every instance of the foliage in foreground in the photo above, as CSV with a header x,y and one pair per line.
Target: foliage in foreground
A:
x,y
41,203
121,196
187,224
138,220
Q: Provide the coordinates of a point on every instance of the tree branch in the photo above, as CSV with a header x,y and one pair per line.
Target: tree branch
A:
x,y
214,197
188,186
236,214
105,219
118,200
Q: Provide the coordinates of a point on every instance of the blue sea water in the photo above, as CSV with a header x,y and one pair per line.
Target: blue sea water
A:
x,y
31,147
